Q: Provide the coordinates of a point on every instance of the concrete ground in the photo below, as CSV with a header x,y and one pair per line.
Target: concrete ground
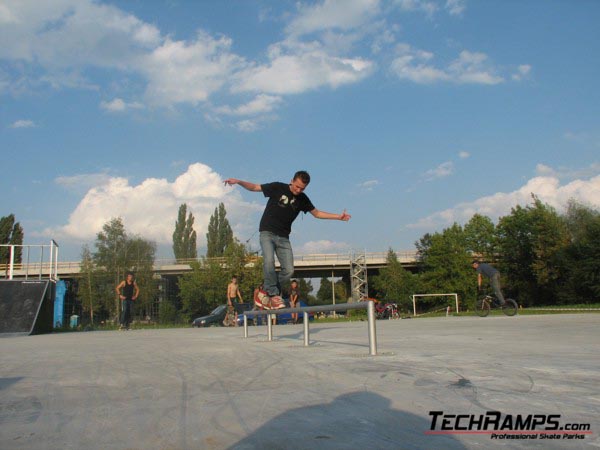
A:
x,y
213,389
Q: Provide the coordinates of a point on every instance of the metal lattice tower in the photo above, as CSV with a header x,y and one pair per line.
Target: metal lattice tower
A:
x,y
358,276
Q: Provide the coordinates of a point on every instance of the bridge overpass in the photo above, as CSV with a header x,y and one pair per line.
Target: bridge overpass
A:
x,y
306,266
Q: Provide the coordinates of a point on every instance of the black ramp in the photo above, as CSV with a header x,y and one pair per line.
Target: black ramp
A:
x,y
25,306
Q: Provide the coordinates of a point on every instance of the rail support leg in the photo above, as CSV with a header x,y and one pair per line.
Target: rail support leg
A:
x,y
306,332
245,326
269,327
372,332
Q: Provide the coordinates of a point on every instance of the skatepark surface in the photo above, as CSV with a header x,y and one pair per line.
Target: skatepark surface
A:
x,y
214,389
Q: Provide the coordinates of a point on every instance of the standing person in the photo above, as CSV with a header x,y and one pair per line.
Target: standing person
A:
x,y
294,295
128,296
233,293
285,202
494,277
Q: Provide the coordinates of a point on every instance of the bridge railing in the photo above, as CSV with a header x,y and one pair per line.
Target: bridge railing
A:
x,y
369,306
66,267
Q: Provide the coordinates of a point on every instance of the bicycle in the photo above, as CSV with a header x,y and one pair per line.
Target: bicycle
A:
x,y
485,303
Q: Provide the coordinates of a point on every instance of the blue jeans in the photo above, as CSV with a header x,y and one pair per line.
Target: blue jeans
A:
x,y
126,313
495,282
272,245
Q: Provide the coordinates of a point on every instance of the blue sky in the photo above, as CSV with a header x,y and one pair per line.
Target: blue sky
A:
x,y
409,114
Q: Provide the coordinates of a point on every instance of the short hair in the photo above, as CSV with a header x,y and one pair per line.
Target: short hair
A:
x,y
303,175
130,273
475,262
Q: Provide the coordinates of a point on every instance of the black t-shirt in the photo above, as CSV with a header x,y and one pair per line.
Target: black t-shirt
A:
x,y
128,290
282,208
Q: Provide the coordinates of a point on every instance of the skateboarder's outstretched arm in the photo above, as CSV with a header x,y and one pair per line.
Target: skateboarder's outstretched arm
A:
x,y
245,184
325,215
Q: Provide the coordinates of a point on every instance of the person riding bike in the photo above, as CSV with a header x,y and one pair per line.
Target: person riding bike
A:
x,y
494,277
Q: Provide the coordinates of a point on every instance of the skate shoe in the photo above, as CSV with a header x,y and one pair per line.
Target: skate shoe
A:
x,y
277,302
262,300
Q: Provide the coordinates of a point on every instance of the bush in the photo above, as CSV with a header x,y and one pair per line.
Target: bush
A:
x,y
167,313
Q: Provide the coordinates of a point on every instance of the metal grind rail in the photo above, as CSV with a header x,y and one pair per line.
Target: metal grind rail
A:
x,y
369,306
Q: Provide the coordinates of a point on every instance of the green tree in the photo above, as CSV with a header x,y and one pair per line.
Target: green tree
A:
x,y
394,283
116,254
184,236
480,237
141,254
88,283
305,288
531,240
325,292
245,265
220,234
205,287
11,233
581,258
446,265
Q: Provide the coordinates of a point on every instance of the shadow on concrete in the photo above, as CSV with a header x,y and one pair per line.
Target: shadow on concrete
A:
x,y
7,382
351,421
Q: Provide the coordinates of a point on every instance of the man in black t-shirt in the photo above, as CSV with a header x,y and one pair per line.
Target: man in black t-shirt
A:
x,y
494,277
285,202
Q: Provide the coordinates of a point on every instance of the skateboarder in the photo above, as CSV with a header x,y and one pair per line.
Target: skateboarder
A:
x,y
285,202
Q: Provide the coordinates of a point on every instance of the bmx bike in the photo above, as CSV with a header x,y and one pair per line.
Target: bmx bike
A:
x,y
485,303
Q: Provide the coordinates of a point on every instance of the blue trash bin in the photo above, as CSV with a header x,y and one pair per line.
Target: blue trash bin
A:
x,y
74,321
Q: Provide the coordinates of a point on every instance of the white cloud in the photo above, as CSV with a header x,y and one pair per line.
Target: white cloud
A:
x,y
61,40
583,137
66,37
83,182
67,33
425,6
547,188
368,185
189,72
150,207
256,123
332,14
262,103
23,123
455,7
119,105
443,170
523,72
472,67
296,67
464,155
569,174
324,246
469,68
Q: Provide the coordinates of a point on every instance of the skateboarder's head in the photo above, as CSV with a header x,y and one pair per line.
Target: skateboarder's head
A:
x,y
299,182
475,264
